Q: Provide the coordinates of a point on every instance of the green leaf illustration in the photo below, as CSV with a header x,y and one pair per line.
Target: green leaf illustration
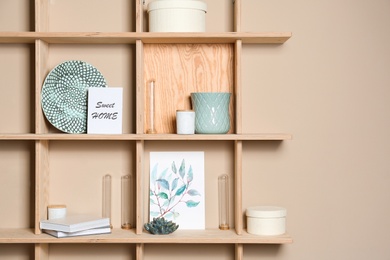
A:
x,y
170,187
174,167
181,190
193,193
154,213
163,173
192,204
174,184
154,173
175,214
163,195
182,169
166,203
169,215
190,175
164,183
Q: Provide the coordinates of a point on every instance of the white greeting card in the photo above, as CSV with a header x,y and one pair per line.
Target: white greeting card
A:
x,y
177,190
104,111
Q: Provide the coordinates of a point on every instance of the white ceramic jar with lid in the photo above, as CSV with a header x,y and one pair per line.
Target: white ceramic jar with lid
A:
x,y
177,16
266,220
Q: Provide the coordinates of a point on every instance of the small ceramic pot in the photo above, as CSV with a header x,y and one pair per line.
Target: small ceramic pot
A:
x,y
177,16
266,220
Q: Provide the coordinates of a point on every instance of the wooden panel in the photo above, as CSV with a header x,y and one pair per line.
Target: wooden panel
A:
x,y
178,70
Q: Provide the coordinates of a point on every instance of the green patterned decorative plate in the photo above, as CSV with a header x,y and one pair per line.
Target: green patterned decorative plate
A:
x,y
64,95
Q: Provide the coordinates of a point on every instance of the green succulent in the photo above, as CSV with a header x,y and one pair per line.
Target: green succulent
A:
x,y
160,226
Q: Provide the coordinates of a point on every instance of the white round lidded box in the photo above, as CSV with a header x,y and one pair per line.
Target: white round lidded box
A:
x,y
266,220
177,16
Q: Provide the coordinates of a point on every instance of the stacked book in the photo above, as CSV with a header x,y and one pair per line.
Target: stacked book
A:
x,y
77,225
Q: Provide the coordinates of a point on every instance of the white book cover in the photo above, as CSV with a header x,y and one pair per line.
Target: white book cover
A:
x,y
74,223
177,189
93,231
105,111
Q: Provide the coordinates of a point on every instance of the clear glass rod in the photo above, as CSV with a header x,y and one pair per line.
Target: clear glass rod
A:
x,y
126,201
151,129
223,200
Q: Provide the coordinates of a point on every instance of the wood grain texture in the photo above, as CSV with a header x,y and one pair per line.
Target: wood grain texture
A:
x,y
178,70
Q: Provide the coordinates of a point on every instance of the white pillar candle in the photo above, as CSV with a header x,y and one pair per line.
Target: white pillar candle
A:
x,y
185,121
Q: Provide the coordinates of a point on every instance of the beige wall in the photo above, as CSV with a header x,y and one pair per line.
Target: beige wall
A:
x,y
328,86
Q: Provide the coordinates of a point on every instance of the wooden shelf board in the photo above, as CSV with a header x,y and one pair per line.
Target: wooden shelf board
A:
x,y
150,137
146,37
212,236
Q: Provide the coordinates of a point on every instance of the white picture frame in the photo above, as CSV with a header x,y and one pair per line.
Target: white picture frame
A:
x,y
105,110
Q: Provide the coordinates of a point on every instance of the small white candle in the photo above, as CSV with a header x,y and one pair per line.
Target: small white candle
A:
x,y
56,211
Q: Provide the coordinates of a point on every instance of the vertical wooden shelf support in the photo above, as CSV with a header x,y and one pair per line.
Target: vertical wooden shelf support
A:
x,y
42,146
41,251
237,15
139,251
139,186
238,187
238,87
140,93
41,15
139,15
239,248
140,88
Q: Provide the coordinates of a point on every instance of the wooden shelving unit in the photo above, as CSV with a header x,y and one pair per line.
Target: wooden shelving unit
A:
x,y
225,47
